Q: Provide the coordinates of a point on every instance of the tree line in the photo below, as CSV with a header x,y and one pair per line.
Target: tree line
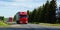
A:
x,y
45,13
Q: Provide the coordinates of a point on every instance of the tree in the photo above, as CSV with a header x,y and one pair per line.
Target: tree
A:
x,y
39,14
28,12
30,17
14,19
33,15
45,11
52,11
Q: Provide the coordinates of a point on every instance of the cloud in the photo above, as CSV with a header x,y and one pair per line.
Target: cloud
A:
x,y
7,0
23,0
13,6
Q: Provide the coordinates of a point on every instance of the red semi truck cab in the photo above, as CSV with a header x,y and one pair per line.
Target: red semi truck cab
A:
x,y
23,18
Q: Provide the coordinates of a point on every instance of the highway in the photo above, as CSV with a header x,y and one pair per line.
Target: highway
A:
x,y
29,27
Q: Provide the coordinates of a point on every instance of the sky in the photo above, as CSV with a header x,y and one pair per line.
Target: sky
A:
x,y
8,8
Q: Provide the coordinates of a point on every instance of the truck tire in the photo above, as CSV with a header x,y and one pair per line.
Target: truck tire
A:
x,y
17,22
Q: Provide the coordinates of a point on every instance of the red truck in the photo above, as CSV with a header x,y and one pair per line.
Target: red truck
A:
x,y
10,19
22,18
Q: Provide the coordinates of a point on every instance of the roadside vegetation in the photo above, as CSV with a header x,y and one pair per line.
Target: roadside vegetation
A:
x,y
3,21
2,24
47,24
44,14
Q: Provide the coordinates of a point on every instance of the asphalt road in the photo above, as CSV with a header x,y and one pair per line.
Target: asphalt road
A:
x,y
15,26
30,26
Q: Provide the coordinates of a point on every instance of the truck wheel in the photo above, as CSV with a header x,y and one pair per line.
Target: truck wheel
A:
x,y
17,22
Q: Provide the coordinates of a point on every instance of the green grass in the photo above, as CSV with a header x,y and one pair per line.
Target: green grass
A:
x,y
47,24
5,19
2,24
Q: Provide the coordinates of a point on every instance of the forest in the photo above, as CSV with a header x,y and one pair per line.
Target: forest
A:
x,y
45,13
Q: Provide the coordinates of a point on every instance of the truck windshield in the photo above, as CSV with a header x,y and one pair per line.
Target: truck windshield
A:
x,y
23,16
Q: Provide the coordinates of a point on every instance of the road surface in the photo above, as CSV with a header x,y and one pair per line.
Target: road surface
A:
x,y
28,27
